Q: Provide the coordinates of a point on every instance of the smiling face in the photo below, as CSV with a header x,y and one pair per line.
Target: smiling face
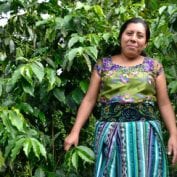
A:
x,y
133,40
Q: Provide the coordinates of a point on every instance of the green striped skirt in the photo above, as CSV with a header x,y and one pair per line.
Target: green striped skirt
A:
x,y
126,147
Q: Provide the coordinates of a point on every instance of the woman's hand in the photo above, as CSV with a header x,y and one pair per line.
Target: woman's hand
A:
x,y
84,110
71,139
172,148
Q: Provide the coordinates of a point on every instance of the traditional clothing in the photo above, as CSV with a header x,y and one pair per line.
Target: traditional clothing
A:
x,y
128,136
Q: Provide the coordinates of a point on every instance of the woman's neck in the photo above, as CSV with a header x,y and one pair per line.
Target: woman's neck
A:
x,y
127,61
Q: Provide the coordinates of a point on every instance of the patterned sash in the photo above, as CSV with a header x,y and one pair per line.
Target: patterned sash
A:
x,y
126,112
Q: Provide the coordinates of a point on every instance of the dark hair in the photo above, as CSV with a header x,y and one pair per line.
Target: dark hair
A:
x,y
135,20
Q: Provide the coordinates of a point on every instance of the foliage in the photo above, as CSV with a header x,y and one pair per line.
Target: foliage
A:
x,y
78,153
48,49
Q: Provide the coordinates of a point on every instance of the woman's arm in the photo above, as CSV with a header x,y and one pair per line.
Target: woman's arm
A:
x,y
167,114
84,111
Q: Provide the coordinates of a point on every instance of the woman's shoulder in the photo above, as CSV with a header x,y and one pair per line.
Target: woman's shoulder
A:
x,y
152,60
153,64
103,64
104,61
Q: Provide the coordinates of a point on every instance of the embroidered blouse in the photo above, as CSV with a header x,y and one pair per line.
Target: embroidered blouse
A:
x,y
132,84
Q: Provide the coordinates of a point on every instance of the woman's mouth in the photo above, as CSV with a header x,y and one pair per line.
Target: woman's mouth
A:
x,y
131,46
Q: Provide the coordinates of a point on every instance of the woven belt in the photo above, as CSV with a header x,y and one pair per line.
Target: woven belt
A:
x,y
118,112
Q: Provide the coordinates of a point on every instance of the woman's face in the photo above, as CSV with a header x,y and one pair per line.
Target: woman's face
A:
x,y
133,40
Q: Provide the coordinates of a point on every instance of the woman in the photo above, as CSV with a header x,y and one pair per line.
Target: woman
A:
x,y
129,86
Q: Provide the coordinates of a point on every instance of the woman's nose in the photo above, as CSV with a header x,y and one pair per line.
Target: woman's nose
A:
x,y
133,38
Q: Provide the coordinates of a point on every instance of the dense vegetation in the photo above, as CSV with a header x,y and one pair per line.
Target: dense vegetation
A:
x,y
47,51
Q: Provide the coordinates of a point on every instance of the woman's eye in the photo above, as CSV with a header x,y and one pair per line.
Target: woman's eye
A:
x,y
129,33
140,36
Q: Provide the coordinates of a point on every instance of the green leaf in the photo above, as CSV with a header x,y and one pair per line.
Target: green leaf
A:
x,y
31,32
19,53
58,82
39,172
35,147
172,9
9,101
94,39
85,153
1,88
11,45
38,148
42,117
40,23
92,52
6,41
9,146
161,9
50,62
50,34
28,88
66,20
16,120
72,54
2,160
51,77
74,160
83,85
98,10
106,36
80,5
38,70
31,132
157,42
39,114
174,36
23,59
60,95
69,57
173,87
27,108
77,95
16,76
13,80
27,146
7,123
73,40
26,72
88,62
3,56
17,147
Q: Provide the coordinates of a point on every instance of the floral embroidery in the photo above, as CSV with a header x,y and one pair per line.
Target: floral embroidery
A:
x,y
127,84
123,79
148,65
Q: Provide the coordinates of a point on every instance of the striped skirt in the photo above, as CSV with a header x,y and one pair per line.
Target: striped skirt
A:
x,y
130,149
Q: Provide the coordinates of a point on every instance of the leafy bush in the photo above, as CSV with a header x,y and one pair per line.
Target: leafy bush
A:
x,y
48,49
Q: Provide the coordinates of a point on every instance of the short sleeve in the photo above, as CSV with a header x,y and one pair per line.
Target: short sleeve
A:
x,y
98,67
158,68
